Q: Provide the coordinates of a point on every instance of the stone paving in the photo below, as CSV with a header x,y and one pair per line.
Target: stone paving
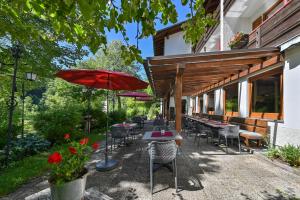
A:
x,y
205,172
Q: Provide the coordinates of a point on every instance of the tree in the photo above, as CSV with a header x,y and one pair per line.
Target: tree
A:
x,y
85,22
111,59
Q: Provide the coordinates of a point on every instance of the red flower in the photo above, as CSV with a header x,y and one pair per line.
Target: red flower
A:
x,y
72,150
67,136
95,146
84,141
55,158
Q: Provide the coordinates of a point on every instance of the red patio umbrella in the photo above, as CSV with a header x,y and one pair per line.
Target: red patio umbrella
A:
x,y
103,79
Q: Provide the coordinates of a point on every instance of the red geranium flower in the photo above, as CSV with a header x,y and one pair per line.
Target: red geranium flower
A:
x,y
55,158
72,150
84,141
67,136
95,146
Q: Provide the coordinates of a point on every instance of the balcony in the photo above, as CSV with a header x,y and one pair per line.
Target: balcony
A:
x,y
279,28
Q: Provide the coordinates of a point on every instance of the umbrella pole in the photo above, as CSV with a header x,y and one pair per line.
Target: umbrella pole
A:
x,y
106,165
106,138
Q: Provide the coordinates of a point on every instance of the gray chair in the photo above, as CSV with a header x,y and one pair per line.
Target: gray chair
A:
x,y
162,153
230,132
118,133
202,131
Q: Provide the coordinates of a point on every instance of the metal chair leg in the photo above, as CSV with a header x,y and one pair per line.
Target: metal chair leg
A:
x,y
239,144
151,177
226,144
175,168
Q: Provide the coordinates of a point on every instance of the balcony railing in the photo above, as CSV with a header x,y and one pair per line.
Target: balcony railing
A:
x,y
279,28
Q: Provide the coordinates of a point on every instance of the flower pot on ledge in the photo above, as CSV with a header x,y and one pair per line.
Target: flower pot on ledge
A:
x,y
71,190
241,43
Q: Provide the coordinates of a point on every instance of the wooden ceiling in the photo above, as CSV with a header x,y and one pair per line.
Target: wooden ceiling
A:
x,y
201,69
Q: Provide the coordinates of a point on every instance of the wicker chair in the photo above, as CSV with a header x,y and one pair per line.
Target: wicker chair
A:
x,y
118,133
231,132
162,153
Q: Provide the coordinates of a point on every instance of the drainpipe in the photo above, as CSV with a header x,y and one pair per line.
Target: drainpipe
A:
x,y
221,25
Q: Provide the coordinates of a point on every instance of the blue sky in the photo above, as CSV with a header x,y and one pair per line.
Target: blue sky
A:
x,y
146,45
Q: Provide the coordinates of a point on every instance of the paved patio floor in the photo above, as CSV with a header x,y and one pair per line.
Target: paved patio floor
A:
x,y
204,171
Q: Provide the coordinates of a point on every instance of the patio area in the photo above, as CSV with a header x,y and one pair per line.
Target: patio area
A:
x,y
204,172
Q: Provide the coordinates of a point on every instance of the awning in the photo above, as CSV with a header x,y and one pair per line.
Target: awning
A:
x,y
201,70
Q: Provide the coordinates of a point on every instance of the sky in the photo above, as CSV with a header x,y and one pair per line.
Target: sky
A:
x,y
146,45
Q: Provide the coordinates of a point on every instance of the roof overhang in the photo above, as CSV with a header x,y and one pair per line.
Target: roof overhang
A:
x,y
201,70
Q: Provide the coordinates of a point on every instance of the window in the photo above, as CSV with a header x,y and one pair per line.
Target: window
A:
x,y
183,106
231,99
211,102
200,103
266,95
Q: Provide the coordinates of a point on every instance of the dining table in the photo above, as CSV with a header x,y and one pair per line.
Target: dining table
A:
x,y
160,135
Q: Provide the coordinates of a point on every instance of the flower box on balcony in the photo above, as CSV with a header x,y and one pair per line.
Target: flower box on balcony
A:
x,y
239,41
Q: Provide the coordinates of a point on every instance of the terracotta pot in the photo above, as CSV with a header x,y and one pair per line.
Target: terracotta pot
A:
x,y
71,190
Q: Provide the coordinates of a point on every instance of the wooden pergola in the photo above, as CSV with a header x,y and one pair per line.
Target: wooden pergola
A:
x,y
193,74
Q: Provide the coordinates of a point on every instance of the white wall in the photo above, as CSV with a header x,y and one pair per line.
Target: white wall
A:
x,y
288,131
219,101
175,44
204,108
243,98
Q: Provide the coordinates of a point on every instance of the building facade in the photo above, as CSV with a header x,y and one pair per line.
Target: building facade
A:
x,y
267,90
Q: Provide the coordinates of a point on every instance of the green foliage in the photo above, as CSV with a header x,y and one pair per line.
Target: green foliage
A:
x,y
290,154
29,145
195,27
117,116
231,105
85,23
71,165
273,153
287,153
53,123
25,169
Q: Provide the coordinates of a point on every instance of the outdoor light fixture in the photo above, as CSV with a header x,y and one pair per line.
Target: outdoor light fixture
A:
x,y
30,76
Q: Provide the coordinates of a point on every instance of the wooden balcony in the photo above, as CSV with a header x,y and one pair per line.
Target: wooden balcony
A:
x,y
282,26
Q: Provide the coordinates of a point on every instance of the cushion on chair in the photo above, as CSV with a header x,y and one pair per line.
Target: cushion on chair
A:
x,y
251,135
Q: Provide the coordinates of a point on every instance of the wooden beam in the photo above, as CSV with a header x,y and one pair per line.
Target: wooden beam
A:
x,y
178,97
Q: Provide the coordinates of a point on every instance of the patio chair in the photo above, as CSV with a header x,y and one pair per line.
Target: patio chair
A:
x,y
231,132
118,133
139,121
162,153
202,131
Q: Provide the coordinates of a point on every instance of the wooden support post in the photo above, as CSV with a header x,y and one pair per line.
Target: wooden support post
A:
x,y
178,97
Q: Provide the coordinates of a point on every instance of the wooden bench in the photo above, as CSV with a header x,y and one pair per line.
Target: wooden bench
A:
x,y
250,129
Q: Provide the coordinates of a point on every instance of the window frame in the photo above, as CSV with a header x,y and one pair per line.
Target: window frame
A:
x,y
207,103
230,114
266,115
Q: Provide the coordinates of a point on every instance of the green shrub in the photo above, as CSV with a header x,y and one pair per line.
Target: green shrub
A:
x,y
99,121
117,116
290,154
273,153
29,145
55,122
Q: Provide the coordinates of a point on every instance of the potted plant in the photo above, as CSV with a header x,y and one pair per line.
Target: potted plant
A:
x,y
239,41
68,174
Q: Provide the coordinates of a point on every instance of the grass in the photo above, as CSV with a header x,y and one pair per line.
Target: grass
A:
x,y
30,167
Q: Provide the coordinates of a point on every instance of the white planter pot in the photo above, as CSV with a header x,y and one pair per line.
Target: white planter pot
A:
x,y
72,190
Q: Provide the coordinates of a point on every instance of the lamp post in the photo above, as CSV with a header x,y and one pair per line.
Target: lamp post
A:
x,y
16,53
30,76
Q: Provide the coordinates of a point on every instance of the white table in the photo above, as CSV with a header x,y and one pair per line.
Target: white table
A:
x,y
148,136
